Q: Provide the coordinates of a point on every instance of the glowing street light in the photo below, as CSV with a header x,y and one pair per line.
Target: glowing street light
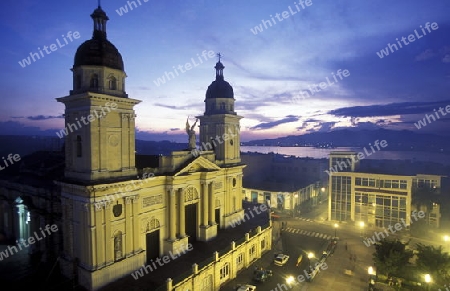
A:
x,y
446,239
428,280
335,228
372,276
310,256
361,224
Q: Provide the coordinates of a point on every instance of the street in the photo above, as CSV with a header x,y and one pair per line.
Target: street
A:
x,y
346,269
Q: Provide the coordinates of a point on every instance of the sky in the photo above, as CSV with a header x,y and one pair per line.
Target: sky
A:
x,y
276,54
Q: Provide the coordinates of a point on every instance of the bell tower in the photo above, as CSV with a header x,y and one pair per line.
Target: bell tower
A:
x,y
219,126
99,117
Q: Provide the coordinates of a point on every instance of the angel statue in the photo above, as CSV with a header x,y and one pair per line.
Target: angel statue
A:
x,y
191,133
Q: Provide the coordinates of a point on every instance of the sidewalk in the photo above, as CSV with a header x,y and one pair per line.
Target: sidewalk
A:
x,y
265,261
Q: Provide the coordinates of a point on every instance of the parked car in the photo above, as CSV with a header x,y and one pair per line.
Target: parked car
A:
x,y
280,259
246,287
262,275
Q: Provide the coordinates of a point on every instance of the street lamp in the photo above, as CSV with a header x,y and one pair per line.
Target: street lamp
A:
x,y
335,228
310,256
446,239
428,280
372,277
361,224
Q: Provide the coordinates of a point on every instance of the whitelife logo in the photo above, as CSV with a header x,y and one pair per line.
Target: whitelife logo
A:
x,y
10,158
423,122
344,164
31,240
161,261
91,117
37,56
376,237
412,37
188,66
284,15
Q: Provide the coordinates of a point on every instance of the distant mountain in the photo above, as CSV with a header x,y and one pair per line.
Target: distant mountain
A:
x,y
397,140
25,145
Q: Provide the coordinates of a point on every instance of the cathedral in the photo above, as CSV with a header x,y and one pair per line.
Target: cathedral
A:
x,y
120,211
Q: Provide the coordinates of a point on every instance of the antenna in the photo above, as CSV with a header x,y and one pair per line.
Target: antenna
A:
x,y
219,55
99,4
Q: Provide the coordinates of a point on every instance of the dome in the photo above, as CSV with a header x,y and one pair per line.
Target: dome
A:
x,y
219,88
98,52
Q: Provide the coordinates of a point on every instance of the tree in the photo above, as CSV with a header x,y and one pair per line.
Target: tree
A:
x,y
391,256
432,260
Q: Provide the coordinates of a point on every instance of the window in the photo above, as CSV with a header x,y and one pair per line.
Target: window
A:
x,y
222,106
358,181
225,271
403,184
395,184
240,259
365,181
263,244
387,183
372,182
112,83
79,146
94,81
252,251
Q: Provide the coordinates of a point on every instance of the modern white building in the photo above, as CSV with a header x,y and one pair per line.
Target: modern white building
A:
x,y
376,199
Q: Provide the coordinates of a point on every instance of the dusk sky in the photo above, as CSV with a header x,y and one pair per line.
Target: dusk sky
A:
x,y
273,69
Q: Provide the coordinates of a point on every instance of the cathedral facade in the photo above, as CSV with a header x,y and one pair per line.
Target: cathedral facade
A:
x,y
117,217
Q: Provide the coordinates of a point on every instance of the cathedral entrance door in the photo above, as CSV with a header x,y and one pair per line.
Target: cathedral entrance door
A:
x,y
191,221
152,244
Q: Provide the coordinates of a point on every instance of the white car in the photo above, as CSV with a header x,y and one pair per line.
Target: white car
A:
x,y
246,288
280,259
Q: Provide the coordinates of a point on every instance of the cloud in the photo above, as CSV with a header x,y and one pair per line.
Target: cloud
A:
x,y
446,59
37,117
389,109
174,107
267,125
42,117
323,127
428,54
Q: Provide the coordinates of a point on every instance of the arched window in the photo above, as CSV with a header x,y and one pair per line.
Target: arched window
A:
x,y
112,83
79,146
94,81
118,246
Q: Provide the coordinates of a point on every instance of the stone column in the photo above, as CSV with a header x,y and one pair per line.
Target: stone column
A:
x,y
128,241
172,215
212,201
205,203
136,226
99,242
181,219
109,251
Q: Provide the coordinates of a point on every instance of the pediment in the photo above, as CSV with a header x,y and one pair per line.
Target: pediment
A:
x,y
200,164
